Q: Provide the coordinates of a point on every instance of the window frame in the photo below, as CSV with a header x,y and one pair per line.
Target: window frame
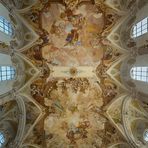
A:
x,y
6,26
140,28
145,135
7,73
2,139
139,73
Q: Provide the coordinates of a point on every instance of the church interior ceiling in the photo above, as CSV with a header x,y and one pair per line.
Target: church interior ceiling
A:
x,y
67,99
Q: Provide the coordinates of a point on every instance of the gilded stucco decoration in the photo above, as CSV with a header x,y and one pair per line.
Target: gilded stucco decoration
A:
x,y
73,36
73,82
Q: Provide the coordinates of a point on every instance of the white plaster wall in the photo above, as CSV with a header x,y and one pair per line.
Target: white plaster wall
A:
x,y
5,86
141,61
141,40
4,12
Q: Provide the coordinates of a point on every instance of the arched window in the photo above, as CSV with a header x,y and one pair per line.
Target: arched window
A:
x,y
2,139
139,73
5,26
6,73
140,28
145,136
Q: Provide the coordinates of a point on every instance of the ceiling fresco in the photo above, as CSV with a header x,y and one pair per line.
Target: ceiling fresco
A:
x,y
72,40
74,85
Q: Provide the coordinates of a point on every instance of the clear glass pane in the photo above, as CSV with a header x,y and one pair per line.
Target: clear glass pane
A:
x,y
144,31
138,25
140,73
8,68
4,78
4,68
1,24
6,73
144,26
12,72
5,26
146,136
2,139
139,33
144,68
6,31
9,77
1,29
144,74
144,21
138,69
3,73
144,79
140,28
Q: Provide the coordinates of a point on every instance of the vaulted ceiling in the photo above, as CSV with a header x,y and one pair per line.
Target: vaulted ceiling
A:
x,y
72,92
